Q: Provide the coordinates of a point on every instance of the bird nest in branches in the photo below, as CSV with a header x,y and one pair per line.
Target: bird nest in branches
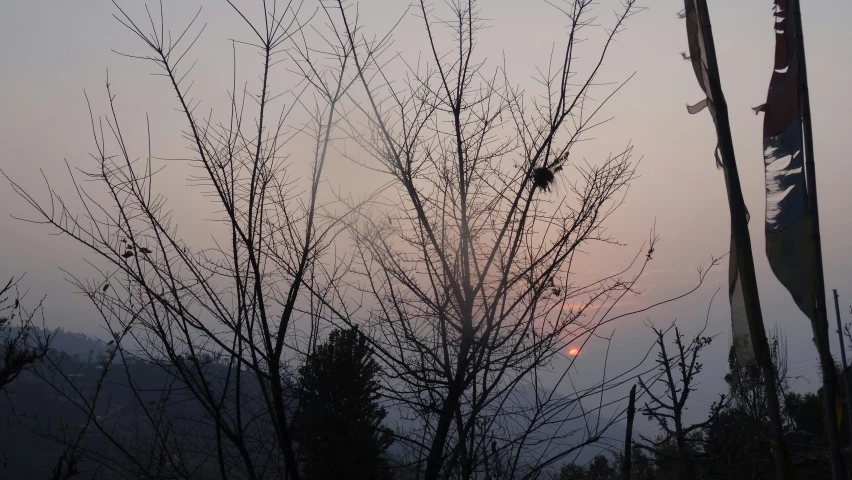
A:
x,y
543,178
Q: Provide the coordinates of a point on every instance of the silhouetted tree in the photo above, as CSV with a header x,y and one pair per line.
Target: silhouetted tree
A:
x,y
338,423
571,471
22,346
642,465
23,343
469,272
806,411
735,443
468,257
745,384
676,373
164,298
600,469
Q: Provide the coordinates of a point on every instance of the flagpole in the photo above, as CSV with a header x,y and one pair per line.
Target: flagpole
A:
x,y
843,365
742,244
628,436
829,385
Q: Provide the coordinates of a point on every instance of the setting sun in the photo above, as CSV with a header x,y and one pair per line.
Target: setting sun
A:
x,y
573,351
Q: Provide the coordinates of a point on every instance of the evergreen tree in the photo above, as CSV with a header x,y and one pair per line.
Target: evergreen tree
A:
x,y
338,423
600,469
571,471
643,465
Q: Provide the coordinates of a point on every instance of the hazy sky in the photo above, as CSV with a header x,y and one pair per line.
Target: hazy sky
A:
x,y
53,51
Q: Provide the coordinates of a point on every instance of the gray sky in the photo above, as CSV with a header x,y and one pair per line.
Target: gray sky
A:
x,y
53,51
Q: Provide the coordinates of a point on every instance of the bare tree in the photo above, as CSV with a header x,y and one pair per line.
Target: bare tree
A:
x,y
23,344
676,374
468,266
465,285
219,321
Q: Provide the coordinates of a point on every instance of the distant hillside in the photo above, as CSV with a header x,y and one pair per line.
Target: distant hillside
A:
x,y
41,415
79,344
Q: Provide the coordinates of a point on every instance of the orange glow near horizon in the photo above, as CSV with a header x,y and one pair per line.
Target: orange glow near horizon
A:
x,y
573,351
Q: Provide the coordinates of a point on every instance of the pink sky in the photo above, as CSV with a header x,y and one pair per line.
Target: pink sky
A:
x,y
54,50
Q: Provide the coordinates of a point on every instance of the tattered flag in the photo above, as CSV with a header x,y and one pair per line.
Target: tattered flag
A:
x,y
788,232
743,344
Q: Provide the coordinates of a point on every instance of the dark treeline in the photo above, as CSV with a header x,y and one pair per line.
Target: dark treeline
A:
x,y
338,419
732,441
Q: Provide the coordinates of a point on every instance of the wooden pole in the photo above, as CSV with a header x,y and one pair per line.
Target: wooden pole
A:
x,y
628,436
742,244
843,360
829,379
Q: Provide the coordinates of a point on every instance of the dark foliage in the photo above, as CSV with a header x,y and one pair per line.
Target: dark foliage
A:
x,y
806,413
338,424
599,469
736,445
21,344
